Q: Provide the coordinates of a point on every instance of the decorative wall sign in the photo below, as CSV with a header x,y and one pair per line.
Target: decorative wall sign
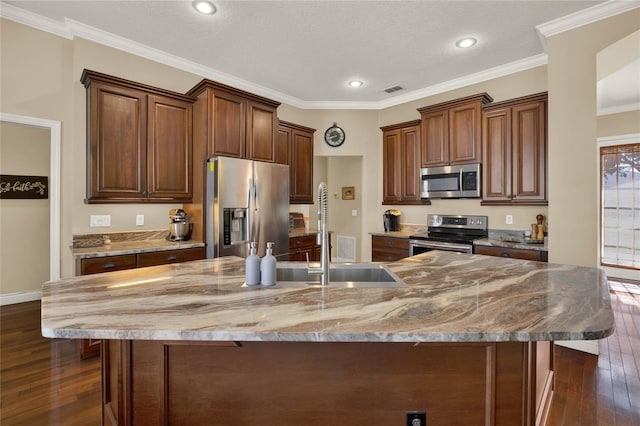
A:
x,y
348,193
24,187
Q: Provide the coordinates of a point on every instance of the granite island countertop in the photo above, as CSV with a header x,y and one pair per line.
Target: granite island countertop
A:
x,y
449,297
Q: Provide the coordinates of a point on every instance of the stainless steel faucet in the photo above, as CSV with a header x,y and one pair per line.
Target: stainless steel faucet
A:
x,y
323,236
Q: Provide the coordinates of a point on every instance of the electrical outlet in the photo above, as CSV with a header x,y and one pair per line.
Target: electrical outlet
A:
x,y
416,418
96,220
139,220
509,219
354,213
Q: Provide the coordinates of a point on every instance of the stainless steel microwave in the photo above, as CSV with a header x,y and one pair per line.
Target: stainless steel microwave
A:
x,y
461,181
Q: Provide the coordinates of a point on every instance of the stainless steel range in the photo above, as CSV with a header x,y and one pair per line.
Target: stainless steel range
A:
x,y
450,233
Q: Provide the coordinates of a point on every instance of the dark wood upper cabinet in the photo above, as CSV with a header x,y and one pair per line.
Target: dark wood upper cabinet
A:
x,y
294,146
139,142
515,151
234,123
401,163
451,131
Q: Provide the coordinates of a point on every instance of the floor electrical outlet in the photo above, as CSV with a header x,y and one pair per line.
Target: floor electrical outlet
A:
x,y
416,418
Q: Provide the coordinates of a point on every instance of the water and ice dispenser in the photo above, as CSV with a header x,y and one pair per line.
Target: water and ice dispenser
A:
x,y
235,226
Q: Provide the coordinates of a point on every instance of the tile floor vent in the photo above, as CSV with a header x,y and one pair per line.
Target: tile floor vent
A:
x,y
346,249
393,89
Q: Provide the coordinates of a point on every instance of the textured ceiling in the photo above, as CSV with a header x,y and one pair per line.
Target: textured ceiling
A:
x,y
308,50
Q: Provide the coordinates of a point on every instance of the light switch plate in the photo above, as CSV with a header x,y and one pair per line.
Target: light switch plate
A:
x,y
96,220
139,220
354,213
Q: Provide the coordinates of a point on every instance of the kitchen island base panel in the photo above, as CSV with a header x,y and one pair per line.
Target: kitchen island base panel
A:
x,y
287,383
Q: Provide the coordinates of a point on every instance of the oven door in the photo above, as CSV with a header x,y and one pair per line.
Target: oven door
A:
x,y
423,246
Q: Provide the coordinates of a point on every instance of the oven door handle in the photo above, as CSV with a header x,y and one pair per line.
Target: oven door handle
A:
x,y
441,245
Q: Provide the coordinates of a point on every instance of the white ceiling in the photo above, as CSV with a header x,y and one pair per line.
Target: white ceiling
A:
x,y
304,52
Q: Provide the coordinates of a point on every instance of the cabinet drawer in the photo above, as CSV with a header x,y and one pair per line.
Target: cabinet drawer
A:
x,y
388,255
390,242
170,256
537,255
299,242
107,264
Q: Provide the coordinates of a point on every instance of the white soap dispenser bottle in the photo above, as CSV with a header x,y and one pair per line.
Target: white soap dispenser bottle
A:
x,y
268,266
252,266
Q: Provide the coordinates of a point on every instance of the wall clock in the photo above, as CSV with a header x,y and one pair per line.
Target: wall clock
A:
x,y
334,135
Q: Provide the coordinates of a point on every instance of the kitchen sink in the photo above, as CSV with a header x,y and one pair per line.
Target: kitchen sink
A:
x,y
341,275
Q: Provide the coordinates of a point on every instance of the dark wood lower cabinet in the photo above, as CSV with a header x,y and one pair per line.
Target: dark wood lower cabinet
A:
x,y
289,383
515,253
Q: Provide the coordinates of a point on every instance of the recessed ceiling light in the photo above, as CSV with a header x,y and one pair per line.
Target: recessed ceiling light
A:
x,y
355,83
204,6
466,42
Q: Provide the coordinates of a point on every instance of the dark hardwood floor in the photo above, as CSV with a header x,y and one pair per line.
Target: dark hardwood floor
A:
x,y
43,381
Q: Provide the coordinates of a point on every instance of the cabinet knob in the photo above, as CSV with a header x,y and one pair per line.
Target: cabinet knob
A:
x,y
172,257
505,255
109,265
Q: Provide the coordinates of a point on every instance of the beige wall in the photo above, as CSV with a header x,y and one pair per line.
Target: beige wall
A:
x,y
345,171
623,123
24,224
573,135
46,84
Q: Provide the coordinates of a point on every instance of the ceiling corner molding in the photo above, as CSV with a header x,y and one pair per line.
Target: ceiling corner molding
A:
x,y
618,109
489,74
32,20
585,17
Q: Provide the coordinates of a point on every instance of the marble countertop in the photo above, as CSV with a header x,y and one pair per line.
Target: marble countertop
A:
x,y
509,244
449,297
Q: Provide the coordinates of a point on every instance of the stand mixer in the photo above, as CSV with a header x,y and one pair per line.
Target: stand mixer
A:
x,y
179,228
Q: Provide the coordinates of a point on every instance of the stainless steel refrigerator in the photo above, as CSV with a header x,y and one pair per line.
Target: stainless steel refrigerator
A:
x,y
246,201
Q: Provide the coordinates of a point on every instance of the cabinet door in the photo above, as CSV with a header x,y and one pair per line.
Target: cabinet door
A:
x,y
169,149
409,152
391,166
228,117
388,249
496,157
281,149
435,141
300,247
117,143
465,134
301,167
262,123
529,152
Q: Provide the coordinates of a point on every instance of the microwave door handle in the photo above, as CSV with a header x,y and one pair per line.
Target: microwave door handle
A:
x,y
460,181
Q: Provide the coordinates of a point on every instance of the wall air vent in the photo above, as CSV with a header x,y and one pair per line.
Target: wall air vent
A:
x,y
393,89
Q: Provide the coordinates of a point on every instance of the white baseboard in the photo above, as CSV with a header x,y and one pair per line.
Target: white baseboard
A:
x,y
588,346
20,297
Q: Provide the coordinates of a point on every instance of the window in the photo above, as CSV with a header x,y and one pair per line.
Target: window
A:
x,y
620,227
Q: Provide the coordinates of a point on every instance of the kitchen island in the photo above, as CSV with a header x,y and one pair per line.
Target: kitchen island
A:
x,y
467,341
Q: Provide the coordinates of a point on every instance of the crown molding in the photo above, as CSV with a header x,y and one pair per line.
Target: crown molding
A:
x,y
70,29
32,20
584,17
619,109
